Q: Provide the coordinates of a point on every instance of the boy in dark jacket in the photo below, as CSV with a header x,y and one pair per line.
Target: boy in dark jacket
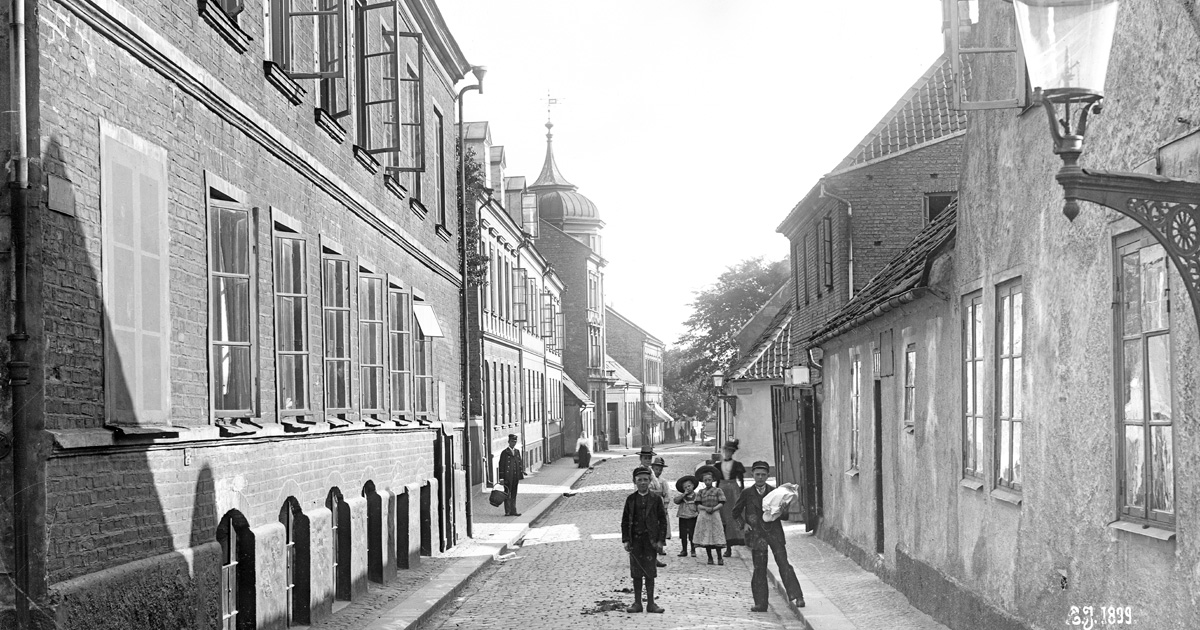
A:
x,y
644,533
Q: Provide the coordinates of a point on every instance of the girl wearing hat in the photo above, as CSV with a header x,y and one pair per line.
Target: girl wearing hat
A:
x,y
686,485
732,482
710,533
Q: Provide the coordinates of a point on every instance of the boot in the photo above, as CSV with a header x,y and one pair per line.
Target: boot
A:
x,y
651,607
683,552
637,597
729,551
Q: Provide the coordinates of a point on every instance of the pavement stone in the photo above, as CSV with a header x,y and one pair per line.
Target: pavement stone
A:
x,y
570,570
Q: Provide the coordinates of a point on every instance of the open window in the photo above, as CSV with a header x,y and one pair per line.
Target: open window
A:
x,y
985,54
520,295
309,38
547,328
389,105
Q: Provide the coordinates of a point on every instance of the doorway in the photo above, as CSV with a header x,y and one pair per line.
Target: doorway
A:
x,y
614,424
879,466
810,435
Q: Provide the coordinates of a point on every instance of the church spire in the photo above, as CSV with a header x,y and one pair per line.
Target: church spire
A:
x,y
550,178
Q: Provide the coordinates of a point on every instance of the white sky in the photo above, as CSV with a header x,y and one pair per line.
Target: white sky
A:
x,y
694,125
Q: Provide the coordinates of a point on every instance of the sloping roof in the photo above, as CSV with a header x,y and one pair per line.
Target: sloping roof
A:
x,y
609,310
622,375
897,283
771,353
576,392
922,115
550,178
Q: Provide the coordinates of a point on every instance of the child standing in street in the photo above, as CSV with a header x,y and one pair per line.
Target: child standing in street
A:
x,y
710,532
686,485
643,532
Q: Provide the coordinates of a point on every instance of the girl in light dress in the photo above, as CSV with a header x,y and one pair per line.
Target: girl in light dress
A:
x,y
710,531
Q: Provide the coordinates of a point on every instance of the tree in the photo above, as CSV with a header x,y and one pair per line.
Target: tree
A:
x,y
477,262
718,312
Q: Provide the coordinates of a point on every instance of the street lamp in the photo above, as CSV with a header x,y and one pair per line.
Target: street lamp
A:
x,y
464,330
718,379
1067,45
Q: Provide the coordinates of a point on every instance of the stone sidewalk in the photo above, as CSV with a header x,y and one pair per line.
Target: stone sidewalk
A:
x,y
415,594
839,594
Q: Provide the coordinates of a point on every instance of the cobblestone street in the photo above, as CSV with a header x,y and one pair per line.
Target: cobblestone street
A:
x,y
571,571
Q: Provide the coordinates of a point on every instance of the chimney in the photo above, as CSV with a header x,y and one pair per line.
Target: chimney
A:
x,y
497,164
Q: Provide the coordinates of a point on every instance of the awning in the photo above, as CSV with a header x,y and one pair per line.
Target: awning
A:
x,y
574,390
661,414
427,320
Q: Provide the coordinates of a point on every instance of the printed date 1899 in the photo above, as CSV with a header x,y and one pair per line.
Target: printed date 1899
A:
x,y
1088,617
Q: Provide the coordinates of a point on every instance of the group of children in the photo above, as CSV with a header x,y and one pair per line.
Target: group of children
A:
x,y
645,528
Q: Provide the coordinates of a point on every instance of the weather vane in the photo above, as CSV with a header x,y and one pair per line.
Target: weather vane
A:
x,y
550,101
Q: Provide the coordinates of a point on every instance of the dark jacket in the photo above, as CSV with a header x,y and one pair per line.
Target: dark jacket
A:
x,y
511,466
654,517
749,511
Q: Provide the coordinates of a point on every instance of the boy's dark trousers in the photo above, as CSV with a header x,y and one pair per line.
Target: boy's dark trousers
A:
x,y
687,529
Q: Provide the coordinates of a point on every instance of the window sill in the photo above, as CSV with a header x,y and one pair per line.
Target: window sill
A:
x,y
336,422
1140,529
230,427
372,420
294,425
393,185
418,208
853,472
329,124
971,484
1008,496
287,86
367,160
224,25
443,233
145,430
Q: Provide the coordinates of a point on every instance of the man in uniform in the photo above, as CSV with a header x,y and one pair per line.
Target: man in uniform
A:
x,y
761,535
512,471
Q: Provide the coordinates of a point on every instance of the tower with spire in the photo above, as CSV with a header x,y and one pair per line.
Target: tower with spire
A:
x,y
560,203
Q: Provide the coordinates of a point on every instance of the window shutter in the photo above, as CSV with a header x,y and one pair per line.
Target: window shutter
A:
x,y
827,252
520,297
330,58
968,24
135,288
547,315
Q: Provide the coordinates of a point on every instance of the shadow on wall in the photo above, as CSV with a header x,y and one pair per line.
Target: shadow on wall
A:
x,y
111,557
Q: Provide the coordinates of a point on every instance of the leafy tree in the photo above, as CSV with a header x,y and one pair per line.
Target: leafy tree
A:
x,y
477,262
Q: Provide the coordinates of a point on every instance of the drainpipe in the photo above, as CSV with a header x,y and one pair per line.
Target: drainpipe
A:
x,y
464,329
24,458
850,235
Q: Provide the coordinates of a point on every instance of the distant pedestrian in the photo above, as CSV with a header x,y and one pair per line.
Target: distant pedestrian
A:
x,y
762,535
512,471
733,482
710,533
686,485
643,534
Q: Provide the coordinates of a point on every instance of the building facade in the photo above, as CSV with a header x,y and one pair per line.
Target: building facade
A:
x,y
1049,476
756,382
641,354
238,260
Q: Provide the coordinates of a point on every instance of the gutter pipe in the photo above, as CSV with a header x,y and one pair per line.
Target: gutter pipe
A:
x,y
464,328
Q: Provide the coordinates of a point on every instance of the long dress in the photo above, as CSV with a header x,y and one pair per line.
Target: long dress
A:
x,y
732,471
709,531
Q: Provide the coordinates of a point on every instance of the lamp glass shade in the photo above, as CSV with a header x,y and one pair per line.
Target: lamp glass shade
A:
x,y
718,378
1067,44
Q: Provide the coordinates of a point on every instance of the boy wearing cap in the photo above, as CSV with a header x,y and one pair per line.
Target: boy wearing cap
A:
x,y
760,536
643,533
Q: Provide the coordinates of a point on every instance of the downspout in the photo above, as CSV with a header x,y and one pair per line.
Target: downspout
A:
x,y
464,304
24,459
850,234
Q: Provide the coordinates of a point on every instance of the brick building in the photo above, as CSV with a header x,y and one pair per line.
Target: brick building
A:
x,y
1049,472
240,255
516,321
569,237
640,354
856,219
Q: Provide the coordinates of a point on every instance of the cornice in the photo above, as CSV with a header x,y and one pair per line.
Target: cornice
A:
x,y
130,33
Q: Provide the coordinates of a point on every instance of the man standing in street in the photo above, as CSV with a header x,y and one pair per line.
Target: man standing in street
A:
x,y
512,471
761,535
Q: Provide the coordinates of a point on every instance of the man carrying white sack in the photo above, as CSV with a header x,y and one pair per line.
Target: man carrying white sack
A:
x,y
762,534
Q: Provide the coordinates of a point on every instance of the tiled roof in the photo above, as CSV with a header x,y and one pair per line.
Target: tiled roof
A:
x,y
771,353
894,284
922,115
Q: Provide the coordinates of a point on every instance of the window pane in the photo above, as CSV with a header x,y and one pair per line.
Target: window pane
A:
x,y
969,391
1154,287
337,282
337,334
292,394
1131,289
369,296
1005,451
124,300
1018,411
1132,384
1158,375
230,241
231,378
337,384
1016,453
372,343
230,309
289,266
372,387
977,329
910,368
979,443
1006,388
401,388
1018,322
124,213
289,323
1135,474
1162,475
154,374
152,299
1005,320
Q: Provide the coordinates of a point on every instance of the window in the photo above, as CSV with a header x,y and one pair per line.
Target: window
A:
x,y
797,271
414,133
232,307
370,342
339,533
531,297
972,385
560,330
229,584
237,571
320,31
1010,319
827,252
382,123
593,291
291,321
335,305
935,203
910,385
595,348
400,349
546,330
133,210
978,43
426,331
440,181
855,376
1143,366
520,295
296,559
